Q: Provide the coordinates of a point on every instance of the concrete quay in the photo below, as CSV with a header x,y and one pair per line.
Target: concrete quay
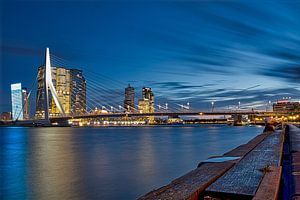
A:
x,y
265,168
291,164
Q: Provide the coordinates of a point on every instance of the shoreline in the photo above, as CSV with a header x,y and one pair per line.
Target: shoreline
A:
x,y
213,178
129,126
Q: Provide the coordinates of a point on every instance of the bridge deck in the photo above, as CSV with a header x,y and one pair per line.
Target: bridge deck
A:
x,y
107,115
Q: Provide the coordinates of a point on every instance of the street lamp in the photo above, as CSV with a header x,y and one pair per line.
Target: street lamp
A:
x,y
120,108
212,106
239,105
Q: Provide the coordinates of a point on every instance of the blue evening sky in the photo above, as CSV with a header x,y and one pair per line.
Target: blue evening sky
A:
x,y
197,51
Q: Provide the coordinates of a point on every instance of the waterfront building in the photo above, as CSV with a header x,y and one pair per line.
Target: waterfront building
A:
x,y
16,101
70,86
5,116
78,92
147,93
25,103
129,99
286,106
146,104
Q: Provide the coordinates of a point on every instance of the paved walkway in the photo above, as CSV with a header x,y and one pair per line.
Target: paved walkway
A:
x,y
245,177
193,184
292,164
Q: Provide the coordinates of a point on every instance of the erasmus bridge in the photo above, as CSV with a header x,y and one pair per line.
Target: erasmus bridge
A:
x,y
111,103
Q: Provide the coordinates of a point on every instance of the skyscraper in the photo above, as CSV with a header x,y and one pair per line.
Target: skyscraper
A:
x,y
25,103
40,96
16,101
70,86
146,104
78,92
129,99
148,94
62,84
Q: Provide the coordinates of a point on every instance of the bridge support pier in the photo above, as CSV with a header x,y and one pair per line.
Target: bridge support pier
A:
x,y
252,118
237,119
48,84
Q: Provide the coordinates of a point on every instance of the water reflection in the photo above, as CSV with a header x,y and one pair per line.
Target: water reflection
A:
x,y
13,163
106,163
46,172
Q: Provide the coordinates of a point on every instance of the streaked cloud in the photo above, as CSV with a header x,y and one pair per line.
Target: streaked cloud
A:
x,y
199,51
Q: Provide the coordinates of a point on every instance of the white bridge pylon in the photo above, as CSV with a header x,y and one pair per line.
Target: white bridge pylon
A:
x,y
49,85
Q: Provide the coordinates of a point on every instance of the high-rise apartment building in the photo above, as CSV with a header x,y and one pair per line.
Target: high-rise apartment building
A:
x,y
70,86
25,103
148,94
5,116
146,104
129,99
78,92
16,101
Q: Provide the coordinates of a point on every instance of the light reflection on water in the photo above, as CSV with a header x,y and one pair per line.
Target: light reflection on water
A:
x,y
106,163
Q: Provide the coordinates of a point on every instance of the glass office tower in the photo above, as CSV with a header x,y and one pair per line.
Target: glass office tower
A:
x,y
16,101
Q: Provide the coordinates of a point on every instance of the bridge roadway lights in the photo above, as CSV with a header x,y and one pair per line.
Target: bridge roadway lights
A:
x,y
168,114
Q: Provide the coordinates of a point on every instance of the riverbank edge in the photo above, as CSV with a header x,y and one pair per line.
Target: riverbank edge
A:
x,y
147,125
194,183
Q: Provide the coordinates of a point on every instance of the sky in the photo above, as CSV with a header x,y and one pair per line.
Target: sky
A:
x,y
186,51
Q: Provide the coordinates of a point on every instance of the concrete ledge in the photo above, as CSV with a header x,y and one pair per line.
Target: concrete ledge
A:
x,y
243,180
243,149
192,184
270,184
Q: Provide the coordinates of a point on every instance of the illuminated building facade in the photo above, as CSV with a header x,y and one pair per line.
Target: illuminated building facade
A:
x,y
286,106
129,99
146,104
16,101
25,103
70,86
78,92
5,116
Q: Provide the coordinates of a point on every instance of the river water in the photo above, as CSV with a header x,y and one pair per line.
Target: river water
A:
x,y
106,163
